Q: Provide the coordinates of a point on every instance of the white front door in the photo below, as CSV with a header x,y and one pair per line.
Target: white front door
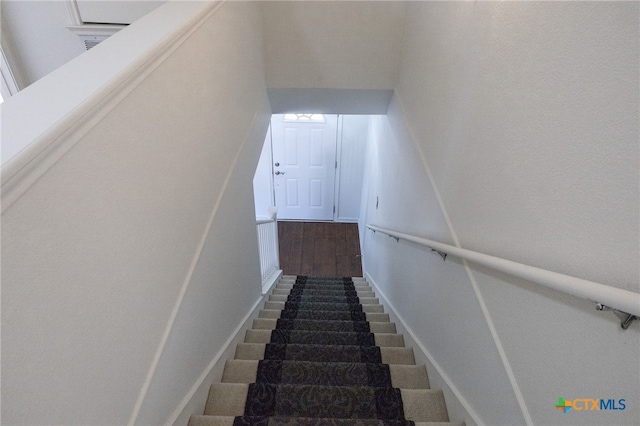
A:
x,y
304,164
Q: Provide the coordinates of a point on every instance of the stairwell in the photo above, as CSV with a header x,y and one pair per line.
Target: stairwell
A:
x,y
323,352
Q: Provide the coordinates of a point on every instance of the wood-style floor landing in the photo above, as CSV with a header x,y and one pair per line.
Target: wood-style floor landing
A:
x,y
319,249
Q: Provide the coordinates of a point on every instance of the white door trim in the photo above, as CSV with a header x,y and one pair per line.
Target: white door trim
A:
x,y
306,151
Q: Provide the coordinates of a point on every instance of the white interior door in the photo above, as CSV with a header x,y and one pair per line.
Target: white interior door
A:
x,y
304,165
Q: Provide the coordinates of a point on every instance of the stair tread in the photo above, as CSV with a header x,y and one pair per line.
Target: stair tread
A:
x,y
320,291
325,372
204,420
321,324
313,298
325,284
229,399
367,316
294,277
324,337
240,386
387,355
324,307
321,287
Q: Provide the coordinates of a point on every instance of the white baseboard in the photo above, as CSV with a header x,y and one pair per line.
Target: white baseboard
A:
x,y
270,282
194,401
457,405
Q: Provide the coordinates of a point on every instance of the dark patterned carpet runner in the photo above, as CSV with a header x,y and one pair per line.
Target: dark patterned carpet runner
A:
x,y
320,366
319,353
323,373
324,401
342,377
309,421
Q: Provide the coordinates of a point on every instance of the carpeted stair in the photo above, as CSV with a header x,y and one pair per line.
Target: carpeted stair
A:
x,y
323,352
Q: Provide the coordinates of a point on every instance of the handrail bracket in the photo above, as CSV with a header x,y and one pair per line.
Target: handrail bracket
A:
x,y
625,318
442,254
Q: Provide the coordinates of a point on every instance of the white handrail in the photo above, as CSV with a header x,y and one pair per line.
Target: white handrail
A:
x,y
613,297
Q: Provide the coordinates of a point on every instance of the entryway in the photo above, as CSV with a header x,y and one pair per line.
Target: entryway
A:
x,y
311,167
304,163
319,249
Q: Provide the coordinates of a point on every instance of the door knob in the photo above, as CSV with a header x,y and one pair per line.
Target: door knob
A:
x,y
279,172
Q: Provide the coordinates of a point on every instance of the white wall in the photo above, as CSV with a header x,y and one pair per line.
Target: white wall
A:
x,y
14,76
353,132
335,45
330,101
132,258
432,298
514,132
332,57
539,103
37,32
263,181
115,12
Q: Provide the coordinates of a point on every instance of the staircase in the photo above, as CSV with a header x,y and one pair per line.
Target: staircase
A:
x,y
323,352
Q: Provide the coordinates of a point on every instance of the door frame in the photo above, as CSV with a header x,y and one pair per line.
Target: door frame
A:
x,y
334,200
269,175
